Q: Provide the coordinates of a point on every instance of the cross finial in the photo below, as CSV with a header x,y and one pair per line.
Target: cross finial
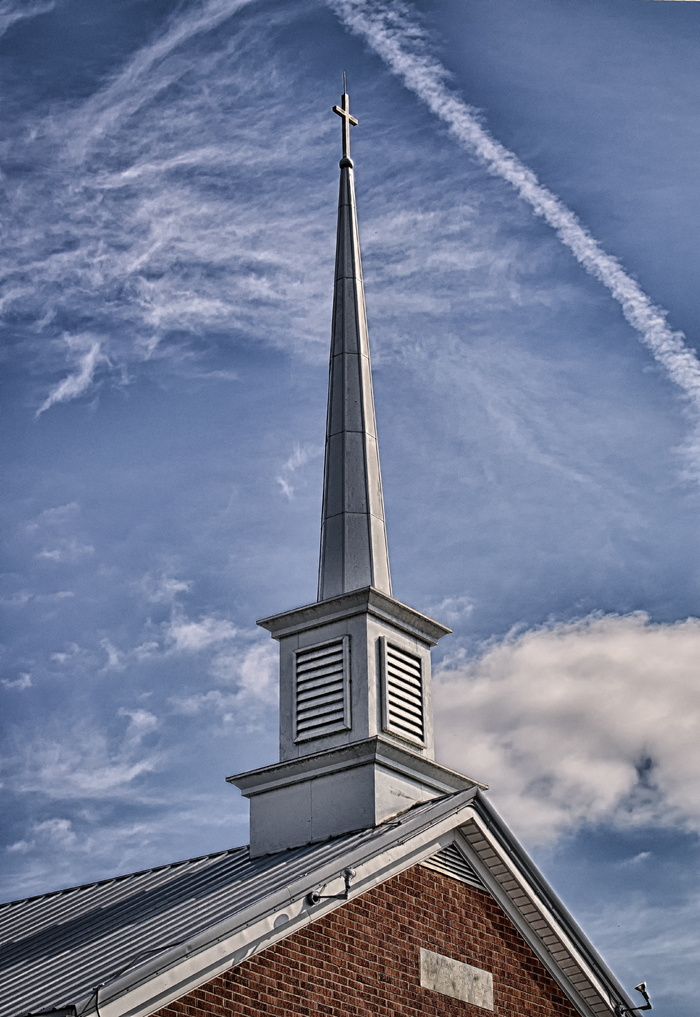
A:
x,y
344,113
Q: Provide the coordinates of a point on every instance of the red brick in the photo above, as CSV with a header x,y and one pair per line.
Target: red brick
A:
x,y
363,961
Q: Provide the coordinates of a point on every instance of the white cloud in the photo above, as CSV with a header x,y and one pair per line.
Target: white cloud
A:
x,y
163,589
59,832
452,610
253,673
19,847
115,659
301,455
86,764
584,722
121,227
23,682
69,550
56,517
58,528
141,723
87,353
66,656
94,842
148,74
185,636
19,599
652,930
12,11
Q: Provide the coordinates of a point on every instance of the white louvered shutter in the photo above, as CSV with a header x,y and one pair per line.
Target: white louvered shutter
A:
x,y
403,693
452,862
322,702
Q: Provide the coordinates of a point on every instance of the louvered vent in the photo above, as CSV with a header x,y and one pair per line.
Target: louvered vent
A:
x,y
322,702
403,694
451,862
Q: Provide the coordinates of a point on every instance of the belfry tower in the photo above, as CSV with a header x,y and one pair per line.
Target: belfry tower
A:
x,y
356,726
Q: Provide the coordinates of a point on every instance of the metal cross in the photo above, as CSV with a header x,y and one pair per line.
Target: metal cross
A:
x,y
344,113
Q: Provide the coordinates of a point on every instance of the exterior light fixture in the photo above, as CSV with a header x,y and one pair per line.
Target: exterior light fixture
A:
x,y
621,1010
314,898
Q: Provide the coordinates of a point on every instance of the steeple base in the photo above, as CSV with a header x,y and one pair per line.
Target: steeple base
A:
x,y
353,787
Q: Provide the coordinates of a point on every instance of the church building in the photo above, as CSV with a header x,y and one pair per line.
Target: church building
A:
x,y
377,881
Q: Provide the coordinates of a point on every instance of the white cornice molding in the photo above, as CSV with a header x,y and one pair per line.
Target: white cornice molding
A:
x,y
367,600
368,751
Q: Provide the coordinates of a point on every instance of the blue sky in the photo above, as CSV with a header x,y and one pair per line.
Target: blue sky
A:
x,y
169,179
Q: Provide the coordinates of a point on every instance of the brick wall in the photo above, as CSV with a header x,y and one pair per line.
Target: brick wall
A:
x,y
363,960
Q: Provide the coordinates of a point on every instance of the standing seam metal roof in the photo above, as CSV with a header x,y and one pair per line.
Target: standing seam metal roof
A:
x,y
55,948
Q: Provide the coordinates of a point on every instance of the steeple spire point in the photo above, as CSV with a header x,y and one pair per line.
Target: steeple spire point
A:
x,y
354,552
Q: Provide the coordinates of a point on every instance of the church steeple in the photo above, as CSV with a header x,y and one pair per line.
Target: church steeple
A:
x,y
354,550
356,723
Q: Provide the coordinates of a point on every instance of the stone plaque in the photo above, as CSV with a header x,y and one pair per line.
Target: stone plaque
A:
x,y
457,979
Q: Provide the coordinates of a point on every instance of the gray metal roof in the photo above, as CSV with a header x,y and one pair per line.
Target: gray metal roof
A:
x,y
55,948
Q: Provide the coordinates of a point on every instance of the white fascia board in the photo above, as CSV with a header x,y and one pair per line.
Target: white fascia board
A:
x,y
608,994
273,918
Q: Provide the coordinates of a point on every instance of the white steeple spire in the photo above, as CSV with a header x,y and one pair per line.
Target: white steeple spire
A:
x,y
354,550
356,722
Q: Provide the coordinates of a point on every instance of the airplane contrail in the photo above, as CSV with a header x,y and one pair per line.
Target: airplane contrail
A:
x,y
394,35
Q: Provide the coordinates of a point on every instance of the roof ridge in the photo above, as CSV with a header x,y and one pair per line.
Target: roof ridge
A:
x,y
123,875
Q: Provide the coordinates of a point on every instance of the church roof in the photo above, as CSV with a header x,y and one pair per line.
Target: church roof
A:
x,y
55,948
147,937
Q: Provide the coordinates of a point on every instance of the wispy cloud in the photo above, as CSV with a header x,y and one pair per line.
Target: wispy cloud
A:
x,y
89,764
127,227
164,588
59,532
391,29
666,928
88,355
70,550
12,11
147,74
66,848
299,458
23,682
186,636
452,610
249,677
115,659
579,723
